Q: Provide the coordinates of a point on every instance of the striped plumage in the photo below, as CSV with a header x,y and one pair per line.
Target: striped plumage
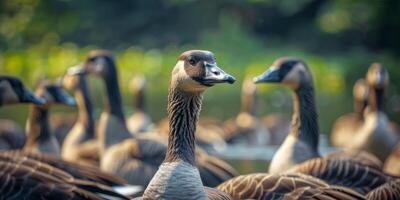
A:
x,y
387,191
344,173
22,177
75,170
324,193
361,157
279,186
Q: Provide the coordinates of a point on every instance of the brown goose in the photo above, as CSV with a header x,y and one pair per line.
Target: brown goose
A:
x,y
23,178
387,191
39,136
283,186
136,157
377,135
139,121
246,127
342,134
301,145
178,176
80,145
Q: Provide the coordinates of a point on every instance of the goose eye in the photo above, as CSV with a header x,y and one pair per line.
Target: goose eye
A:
x,y
192,61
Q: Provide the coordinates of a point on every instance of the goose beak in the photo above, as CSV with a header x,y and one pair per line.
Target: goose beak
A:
x,y
29,97
65,98
76,70
269,76
214,75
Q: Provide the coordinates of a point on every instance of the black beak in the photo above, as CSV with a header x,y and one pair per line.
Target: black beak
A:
x,y
29,97
272,75
64,98
214,75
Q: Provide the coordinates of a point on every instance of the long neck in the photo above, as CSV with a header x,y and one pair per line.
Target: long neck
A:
x,y
305,117
113,102
139,100
376,99
85,108
248,101
37,125
183,112
359,107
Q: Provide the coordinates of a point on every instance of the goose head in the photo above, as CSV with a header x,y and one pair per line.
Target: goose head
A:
x,y
54,94
377,76
138,84
13,91
100,63
197,70
71,79
288,71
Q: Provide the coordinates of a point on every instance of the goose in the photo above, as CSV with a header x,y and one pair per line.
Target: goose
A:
x,y
80,144
178,176
246,127
39,136
284,186
376,136
344,127
139,121
387,191
136,157
299,151
22,178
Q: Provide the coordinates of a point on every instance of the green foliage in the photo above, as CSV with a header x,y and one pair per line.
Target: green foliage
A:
x,y
338,40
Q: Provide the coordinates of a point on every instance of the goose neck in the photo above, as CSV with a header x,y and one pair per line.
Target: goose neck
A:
x,y
113,100
37,127
183,112
359,107
305,118
376,99
85,108
139,101
248,104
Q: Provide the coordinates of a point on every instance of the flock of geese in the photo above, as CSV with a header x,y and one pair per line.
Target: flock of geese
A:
x,y
119,158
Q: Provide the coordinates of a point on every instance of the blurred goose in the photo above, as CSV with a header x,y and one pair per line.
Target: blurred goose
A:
x,y
343,130
136,157
139,121
80,145
291,186
246,127
12,91
39,136
376,135
387,191
24,178
178,176
301,145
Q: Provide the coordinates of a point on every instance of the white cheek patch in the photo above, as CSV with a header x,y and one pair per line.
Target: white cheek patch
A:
x,y
8,93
